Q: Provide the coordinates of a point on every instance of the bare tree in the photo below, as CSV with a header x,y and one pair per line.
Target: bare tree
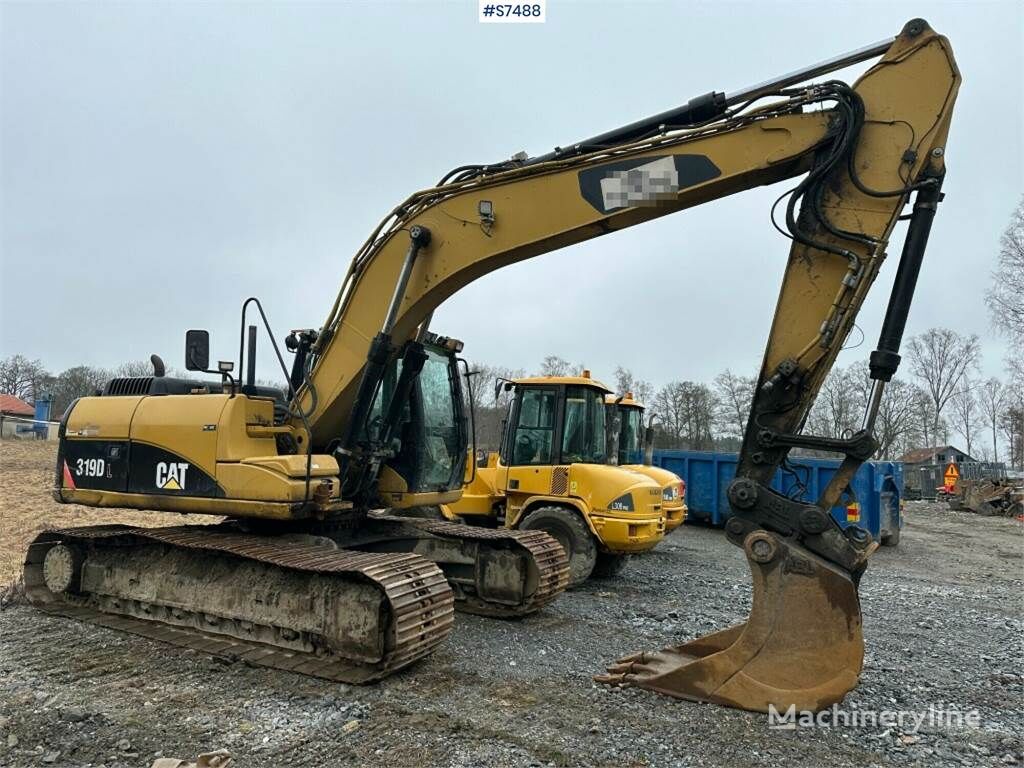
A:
x,y
965,411
80,381
625,382
896,428
138,368
733,395
837,408
940,358
490,402
927,427
685,411
1005,298
1012,423
991,396
553,365
22,377
1012,418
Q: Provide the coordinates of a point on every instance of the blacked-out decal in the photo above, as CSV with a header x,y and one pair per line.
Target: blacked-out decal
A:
x,y
643,181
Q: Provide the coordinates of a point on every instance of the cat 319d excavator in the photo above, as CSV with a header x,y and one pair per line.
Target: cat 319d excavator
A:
x,y
304,575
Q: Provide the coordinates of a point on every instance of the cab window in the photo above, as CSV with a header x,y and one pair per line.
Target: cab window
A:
x,y
533,440
630,432
583,435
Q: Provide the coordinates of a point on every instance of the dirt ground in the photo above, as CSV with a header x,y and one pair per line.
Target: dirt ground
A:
x,y
943,626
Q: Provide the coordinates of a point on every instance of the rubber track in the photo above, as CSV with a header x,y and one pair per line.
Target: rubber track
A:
x,y
421,602
546,552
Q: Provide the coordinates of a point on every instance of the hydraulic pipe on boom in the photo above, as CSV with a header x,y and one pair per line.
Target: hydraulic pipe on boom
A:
x,y
711,105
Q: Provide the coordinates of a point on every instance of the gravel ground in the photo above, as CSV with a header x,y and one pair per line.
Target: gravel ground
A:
x,y
943,623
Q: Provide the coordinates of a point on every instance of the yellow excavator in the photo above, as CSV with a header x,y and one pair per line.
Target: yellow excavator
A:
x,y
633,446
307,574
552,474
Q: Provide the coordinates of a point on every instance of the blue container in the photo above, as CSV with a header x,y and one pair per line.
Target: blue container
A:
x,y
877,488
42,404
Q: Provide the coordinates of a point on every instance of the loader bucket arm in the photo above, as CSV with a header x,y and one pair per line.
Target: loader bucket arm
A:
x,y
802,644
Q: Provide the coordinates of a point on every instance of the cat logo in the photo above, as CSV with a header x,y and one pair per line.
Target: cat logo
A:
x,y
170,476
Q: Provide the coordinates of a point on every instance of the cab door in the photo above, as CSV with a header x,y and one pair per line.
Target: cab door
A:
x,y
530,447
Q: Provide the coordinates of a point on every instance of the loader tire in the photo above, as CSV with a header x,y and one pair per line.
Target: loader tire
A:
x,y
569,530
609,565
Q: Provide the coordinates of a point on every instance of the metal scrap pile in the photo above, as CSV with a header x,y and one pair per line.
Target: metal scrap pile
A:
x,y
989,497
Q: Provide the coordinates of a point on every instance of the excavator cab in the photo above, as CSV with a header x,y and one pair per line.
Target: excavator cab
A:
x,y
419,418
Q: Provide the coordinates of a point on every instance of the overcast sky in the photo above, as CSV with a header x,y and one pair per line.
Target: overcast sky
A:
x,y
161,162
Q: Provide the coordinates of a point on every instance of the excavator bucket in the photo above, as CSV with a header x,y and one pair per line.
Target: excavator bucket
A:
x,y
801,646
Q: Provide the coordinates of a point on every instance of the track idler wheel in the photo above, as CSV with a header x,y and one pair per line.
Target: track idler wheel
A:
x,y
62,568
801,646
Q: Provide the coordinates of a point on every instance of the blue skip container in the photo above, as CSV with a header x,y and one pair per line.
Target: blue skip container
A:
x,y
877,488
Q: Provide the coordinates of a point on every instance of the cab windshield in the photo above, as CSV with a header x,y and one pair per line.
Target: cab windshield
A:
x,y
629,435
430,439
443,441
583,433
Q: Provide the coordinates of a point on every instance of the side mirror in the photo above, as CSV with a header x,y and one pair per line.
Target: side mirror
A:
x,y
197,350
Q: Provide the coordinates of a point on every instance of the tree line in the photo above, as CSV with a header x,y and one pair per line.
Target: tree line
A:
x,y
943,398
940,400
27,379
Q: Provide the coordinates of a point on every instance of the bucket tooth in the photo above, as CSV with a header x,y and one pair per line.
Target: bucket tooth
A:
x,y
802,645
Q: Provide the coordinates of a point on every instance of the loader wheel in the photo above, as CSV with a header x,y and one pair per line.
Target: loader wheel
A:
x,y
608,565
568,528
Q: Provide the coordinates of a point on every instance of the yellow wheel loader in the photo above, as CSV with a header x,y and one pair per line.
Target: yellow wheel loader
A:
x,y
632,444
307,574
552,475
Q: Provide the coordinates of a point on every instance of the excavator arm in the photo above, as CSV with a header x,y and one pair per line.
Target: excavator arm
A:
x,y
860,151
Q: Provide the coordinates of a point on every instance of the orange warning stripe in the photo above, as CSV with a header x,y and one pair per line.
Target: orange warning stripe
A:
x,y
69,481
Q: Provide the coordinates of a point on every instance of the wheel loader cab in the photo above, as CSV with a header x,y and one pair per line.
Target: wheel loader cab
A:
x,y
555,422
629,436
